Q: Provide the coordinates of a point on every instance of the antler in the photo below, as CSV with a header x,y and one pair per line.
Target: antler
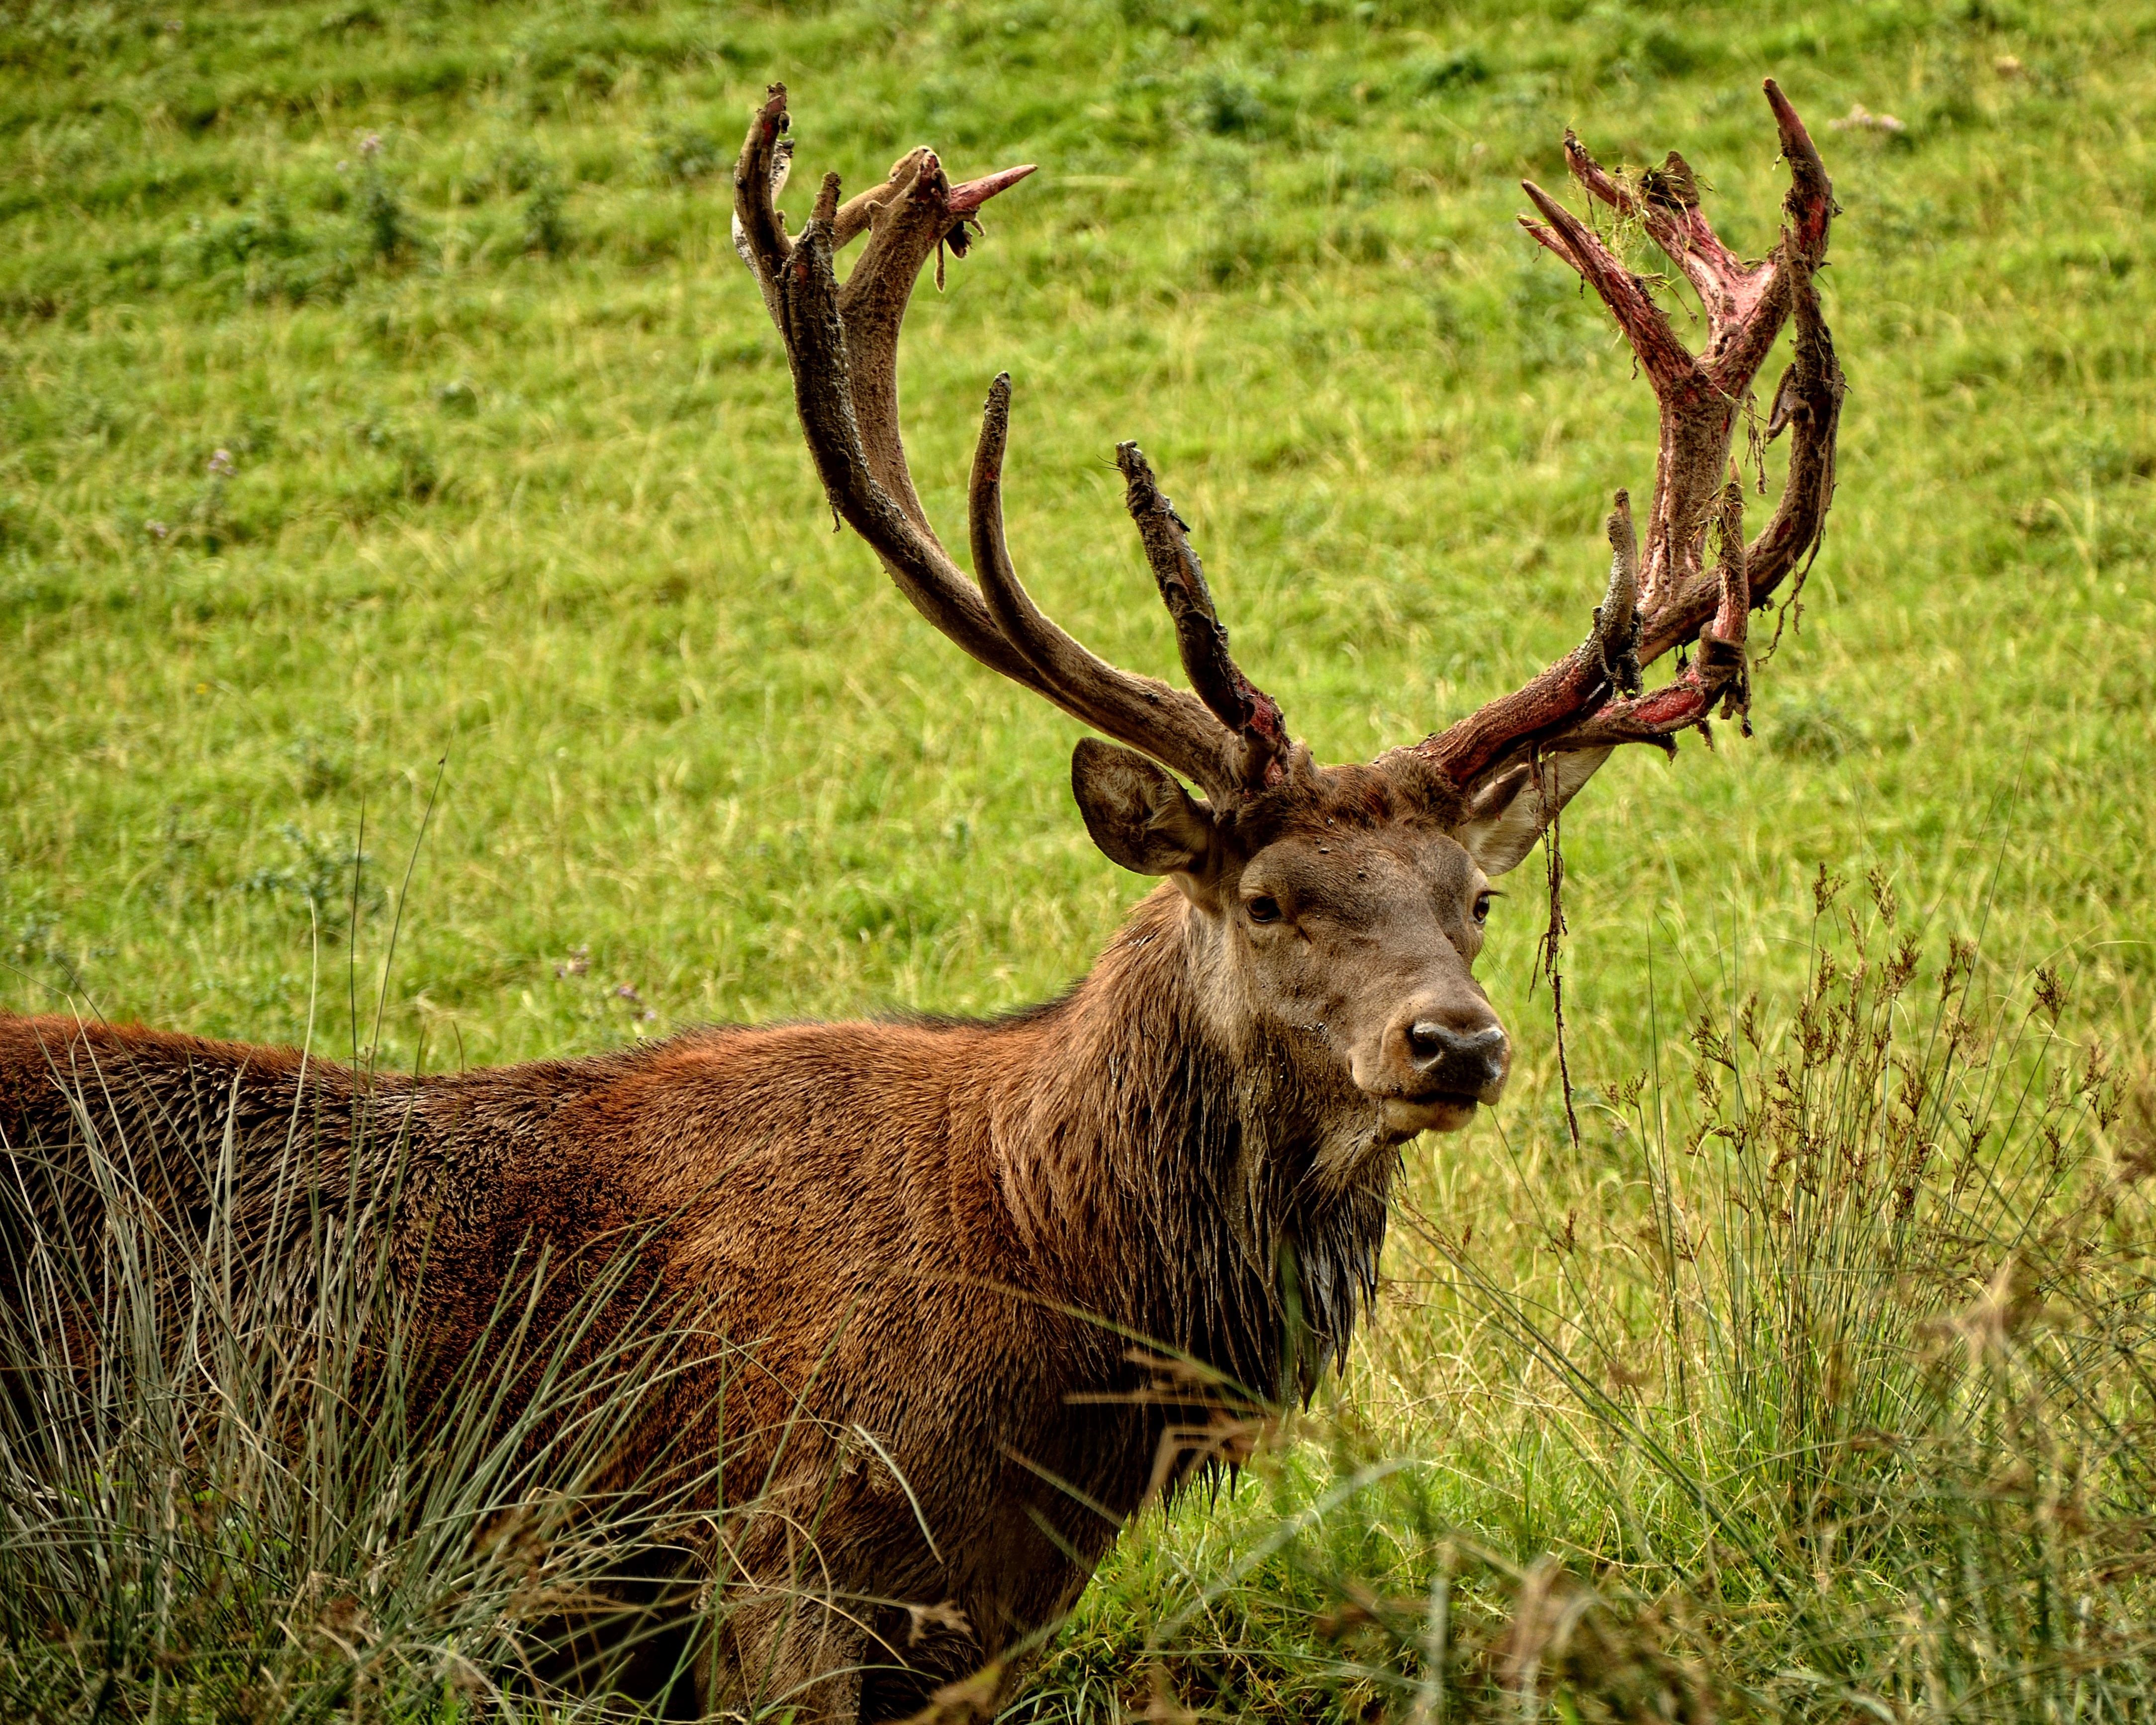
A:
x,y
842,343
1662,595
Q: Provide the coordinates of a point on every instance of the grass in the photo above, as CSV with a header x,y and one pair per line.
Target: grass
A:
x,y
509,482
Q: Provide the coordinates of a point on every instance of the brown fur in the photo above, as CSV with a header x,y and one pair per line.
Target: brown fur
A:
x,y
947,1235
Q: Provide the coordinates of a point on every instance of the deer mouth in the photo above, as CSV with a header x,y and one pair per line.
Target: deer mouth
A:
x,y
1434,1112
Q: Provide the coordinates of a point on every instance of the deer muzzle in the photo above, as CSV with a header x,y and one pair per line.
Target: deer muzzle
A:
x,y
1432,1070
1472,1064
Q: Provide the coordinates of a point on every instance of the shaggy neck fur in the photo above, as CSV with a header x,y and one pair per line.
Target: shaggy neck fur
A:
x,y
1169,1182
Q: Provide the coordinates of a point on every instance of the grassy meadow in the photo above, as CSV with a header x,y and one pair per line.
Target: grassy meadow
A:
x,y
421,631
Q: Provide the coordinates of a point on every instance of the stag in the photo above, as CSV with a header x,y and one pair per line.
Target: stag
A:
x,y
945,1236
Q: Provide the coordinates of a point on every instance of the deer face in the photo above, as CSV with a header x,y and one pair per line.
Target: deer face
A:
x,y
1339,917
1364,944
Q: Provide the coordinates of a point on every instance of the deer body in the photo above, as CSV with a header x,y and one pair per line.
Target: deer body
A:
x,y
937,1234
960,1289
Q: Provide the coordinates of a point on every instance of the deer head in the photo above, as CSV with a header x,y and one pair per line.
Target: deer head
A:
x,y
1336,911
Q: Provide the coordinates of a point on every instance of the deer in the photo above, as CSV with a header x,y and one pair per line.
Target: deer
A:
x,y
1011,1253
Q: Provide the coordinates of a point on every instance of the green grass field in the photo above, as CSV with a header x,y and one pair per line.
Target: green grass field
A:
x,y
387,425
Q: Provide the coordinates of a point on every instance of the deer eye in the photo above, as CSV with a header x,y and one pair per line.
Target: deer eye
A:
x,y
1263,910
1482,901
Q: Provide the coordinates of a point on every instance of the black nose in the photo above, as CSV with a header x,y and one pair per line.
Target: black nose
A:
x,y
1469,1063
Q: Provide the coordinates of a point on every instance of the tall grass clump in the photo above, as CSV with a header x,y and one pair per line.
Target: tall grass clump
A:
x,y
1822,1391
238,1480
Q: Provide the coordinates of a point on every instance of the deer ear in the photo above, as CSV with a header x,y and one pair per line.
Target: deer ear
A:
x,y
1137,813
1508,814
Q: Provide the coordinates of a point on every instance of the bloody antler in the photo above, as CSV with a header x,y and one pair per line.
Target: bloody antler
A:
x,y
1661,594
842,343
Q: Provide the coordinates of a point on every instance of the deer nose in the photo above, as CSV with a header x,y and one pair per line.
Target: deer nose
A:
x,y
1468,1063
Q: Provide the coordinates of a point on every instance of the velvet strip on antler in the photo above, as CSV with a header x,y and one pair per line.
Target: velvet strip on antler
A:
x,y
1589,700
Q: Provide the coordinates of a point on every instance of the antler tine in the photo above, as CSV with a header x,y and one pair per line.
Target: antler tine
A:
x,y
904,228
1608,659
1249,713
1583,702
1163,722
759,229
1808,404
1644,322
1718,673
1667,206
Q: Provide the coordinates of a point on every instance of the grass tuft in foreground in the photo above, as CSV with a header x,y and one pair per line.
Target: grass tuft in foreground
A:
x,y
237,1483
1854,1421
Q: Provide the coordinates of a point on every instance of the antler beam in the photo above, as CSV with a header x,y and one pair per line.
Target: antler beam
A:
x,y
842,344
